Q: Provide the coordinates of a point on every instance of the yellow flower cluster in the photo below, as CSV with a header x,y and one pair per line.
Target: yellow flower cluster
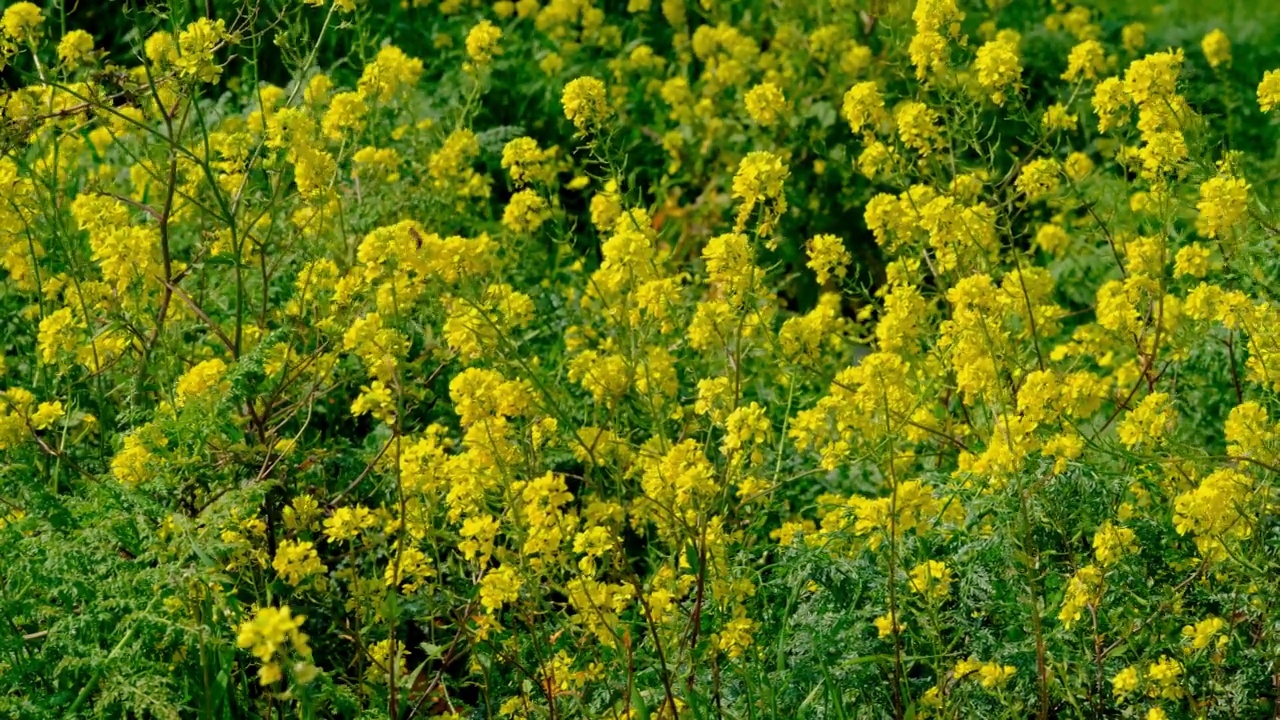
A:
x,y
272,634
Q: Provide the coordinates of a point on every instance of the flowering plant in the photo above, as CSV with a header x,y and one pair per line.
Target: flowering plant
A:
x,y
676,360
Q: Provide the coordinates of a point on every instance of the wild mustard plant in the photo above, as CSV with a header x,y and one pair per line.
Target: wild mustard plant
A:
x,y
634,360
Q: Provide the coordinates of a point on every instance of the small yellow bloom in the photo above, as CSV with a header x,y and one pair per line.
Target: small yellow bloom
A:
x,y
1217,48
1124,683
1039,178
585,103
932,579
999,68
1085,61
525,212
828,257
74,48
1224,202
1056,118
1203,632
1269,90
482,42
1191,260
21,22
499,587
765,104
993,675
887,625
47,414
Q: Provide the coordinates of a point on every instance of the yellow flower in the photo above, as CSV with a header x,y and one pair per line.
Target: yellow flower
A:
x,y
917,126
296,561
937,16
993,675
375,399
499,587
1191,260
195,48
377,163
126,252
759,183
1124,683
1249,431
58,333
135,463
46,415
160,49
1147,422
74,48
1111,103
1217,48
735,637
1057,118
1078,166
827,257
928,51
765,103
21,22
450,166
1202,633
1162,152
269,634
1053,239
528,163
482,42
478,535
551,64
965,669
302,512
1133,36
1154,77
478,394
887,625
347,523
932,579
1224,202
1269,90
525,212
390,72
863,106
407,568
318,90
606,376
593,543
585,103
1165,675
999,68
1084,589
1214,512
1111,543
745,428
606,207
345,115
203,378
1085,61
1039,178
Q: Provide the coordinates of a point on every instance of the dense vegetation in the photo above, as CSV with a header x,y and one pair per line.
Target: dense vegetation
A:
x,y
644,359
